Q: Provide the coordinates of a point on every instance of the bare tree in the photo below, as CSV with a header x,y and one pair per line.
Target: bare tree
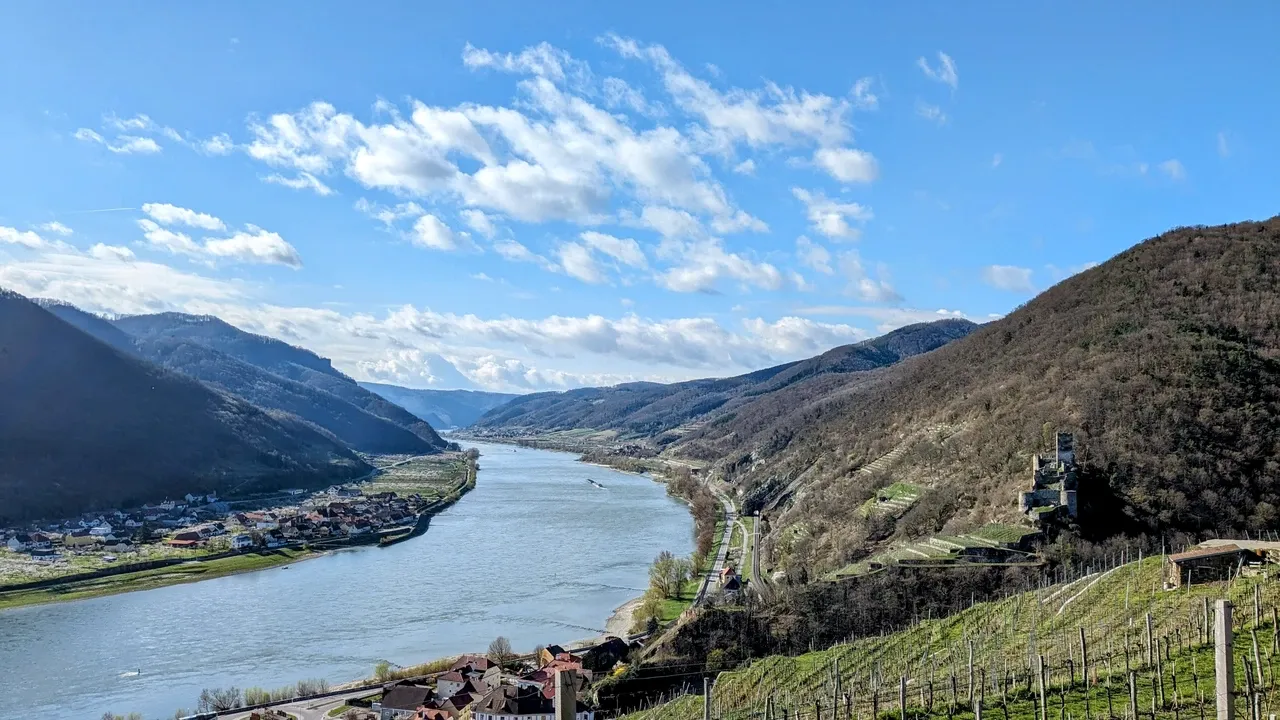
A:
x,y
500,652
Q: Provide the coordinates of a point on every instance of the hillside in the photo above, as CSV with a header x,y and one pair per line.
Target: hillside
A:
x,y
443,409
274,374
1001,643
86,426
1163,361
662,413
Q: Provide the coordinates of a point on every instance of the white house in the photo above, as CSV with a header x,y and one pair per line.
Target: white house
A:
x,y
102,530
240,542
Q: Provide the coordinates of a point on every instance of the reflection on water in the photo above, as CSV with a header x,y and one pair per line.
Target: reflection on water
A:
x,y
535,553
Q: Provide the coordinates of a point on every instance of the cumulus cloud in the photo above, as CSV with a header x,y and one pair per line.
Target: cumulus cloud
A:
x,y
110,252
24,238
167,214
830,217
847,165
389,215
624,250
863,97
1008,277
577,262
255,245
430,231
702,265
944,72
56,228
220,144
480,222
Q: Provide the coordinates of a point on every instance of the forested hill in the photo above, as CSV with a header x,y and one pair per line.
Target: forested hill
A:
x,y
648,410
85,426
443,409
1164,362
274,374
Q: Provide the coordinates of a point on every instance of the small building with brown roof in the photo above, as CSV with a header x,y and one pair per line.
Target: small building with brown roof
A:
x,y
1208,563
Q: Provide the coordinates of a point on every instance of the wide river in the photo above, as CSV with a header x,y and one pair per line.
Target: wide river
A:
x,y
534,553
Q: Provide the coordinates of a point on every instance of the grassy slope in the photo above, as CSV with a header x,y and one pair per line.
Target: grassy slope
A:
x,y
1108,606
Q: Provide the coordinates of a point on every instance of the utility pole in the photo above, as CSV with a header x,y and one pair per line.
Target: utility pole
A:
x,y
566,694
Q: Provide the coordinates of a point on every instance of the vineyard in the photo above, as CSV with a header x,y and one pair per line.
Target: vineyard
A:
x,y
1110,643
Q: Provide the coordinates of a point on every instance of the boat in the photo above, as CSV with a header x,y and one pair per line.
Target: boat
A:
x,y
593,482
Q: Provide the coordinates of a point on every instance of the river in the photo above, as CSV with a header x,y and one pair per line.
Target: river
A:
x,y
534,553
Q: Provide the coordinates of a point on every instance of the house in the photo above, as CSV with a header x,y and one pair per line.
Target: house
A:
x,y
604,656
20,542
549,653
516,703
729,579
102,530
402,700
79,538
241,541
1210,562
450,683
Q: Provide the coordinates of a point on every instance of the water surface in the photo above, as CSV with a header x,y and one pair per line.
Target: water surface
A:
x,y
534,553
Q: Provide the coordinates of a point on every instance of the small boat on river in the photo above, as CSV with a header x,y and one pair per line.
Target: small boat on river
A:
x,y
593,482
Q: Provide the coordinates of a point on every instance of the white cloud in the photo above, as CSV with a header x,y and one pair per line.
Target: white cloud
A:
x,y
167,214
1224,147
128,144
669,223
624,250
87,135
798,280
1059,273
165,239
110,252
863,98
484,277
619,94
302,181
480,222
220,144
944,72
1008,277
701,265
542,60
255,245
57,228
430,231
861,285
746,167
1173,169
847,164
578,262
830,217
389,215
774,115
25,238
932,113
812,255
517,252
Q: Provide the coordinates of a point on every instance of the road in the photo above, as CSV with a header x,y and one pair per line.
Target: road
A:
x,y
730,519
307,709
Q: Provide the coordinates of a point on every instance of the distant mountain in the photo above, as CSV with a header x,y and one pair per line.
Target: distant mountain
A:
x,y
664,413
274,374
444,409
86,426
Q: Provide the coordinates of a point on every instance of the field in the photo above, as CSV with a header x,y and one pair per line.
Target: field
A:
x,y
18,567
929,664
147,579
432,477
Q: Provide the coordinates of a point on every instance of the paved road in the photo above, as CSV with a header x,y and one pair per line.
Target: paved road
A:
x,y
308,709
730,519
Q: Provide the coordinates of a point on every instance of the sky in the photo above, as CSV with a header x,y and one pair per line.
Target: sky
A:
x,y
485,195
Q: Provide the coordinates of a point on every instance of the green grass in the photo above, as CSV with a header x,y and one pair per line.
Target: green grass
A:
x,y
339,710
1109,606
1000,533
159,577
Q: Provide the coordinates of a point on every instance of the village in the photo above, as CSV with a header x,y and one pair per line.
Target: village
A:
x,y
391,506
552,683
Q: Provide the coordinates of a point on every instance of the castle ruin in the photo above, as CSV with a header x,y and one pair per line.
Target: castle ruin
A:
x,y
1053,482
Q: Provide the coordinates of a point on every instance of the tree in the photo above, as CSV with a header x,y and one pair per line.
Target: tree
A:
x,y
663,573
682,570
500,652
219,699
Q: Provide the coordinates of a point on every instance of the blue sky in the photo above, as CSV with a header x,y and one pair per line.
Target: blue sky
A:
x,y
480,195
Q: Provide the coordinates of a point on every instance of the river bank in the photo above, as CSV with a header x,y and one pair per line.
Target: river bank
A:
x,y
110,581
